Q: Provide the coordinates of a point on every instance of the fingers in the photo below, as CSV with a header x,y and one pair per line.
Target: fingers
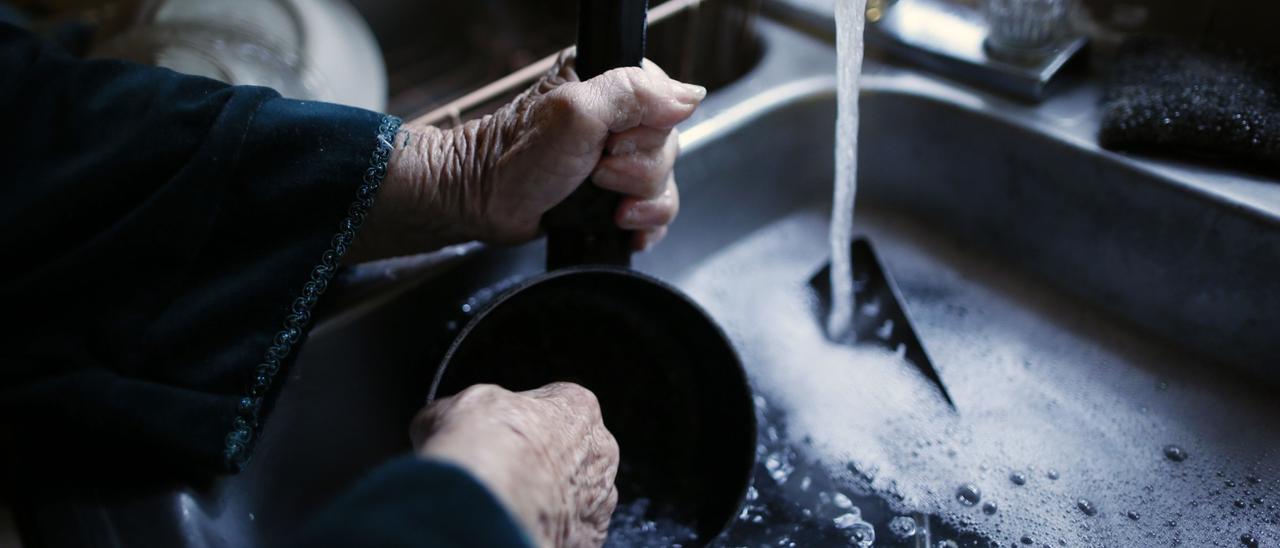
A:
x,y
650,214
624,98
640,162
570,396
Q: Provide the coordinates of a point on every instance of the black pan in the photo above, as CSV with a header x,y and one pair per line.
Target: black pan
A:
x,y
671,387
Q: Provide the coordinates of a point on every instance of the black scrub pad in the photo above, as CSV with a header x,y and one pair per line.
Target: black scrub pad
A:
x,y
1211,102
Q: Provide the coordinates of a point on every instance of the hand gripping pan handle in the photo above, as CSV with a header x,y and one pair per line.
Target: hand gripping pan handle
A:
x,y
581,229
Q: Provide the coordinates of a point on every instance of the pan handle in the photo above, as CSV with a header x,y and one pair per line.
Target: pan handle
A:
x,y
581,229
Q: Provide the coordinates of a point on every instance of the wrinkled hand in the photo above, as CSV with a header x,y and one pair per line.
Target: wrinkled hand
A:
x,y
544,453
492,179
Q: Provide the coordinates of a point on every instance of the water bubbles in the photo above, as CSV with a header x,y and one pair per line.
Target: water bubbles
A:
x,y
903,527
1175,453
1254,480
1018,478
1086,506
1133,515
968,494
989,508
1238,503
1026,539
1249,540
779,467
845,521
862,534
1052,474
631,527
871,307
885,330
841,501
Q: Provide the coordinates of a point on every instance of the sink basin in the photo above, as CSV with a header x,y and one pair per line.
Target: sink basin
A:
x,y
1115,286
437,52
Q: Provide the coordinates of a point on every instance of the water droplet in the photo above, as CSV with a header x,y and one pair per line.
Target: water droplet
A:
x,y
1249,540
805,482
948,543
752,494
1026,539
1238,503
989,508
1087,507
1175,453
903,527
1052,474
1133,515
1018,478
1254,480
968,494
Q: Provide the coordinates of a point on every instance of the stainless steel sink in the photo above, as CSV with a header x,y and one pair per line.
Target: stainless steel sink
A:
x,y
1145,259
437,52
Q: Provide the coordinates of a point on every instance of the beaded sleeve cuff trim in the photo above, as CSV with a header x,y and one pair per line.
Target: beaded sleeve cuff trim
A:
x,y
239,441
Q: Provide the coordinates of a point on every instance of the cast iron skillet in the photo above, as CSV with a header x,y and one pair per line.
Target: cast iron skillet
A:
x,y
671,387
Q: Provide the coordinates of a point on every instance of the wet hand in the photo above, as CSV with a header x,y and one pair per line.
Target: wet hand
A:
x,y
492,179
544,453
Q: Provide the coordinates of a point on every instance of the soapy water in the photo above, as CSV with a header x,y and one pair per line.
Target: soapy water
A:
x,y
851,16
1084,449
633,526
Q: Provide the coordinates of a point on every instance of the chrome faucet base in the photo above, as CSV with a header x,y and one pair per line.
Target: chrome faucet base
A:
x,y
953,40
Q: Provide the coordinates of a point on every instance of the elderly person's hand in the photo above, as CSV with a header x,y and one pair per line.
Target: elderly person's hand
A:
x,y
544,453
492,179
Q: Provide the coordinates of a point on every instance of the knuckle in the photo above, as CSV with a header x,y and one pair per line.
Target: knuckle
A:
x,y
609,447
561,103
578,397
479,392
656,182
667,214
611,501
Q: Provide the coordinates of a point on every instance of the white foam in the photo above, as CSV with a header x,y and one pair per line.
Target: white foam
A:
x,y
1089,406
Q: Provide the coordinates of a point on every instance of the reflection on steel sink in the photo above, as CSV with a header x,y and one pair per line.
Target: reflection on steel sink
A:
x,y
1022,189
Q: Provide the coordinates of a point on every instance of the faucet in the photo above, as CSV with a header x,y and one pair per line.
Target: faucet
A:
x,y
1016,47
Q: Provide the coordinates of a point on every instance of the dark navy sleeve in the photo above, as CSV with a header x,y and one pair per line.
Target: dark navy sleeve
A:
x,y
165,239
391,508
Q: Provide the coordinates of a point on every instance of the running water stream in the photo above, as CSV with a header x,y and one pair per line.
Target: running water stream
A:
x,y
851,17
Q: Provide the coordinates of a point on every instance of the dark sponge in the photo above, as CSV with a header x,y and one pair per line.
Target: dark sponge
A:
x,y
1217,103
